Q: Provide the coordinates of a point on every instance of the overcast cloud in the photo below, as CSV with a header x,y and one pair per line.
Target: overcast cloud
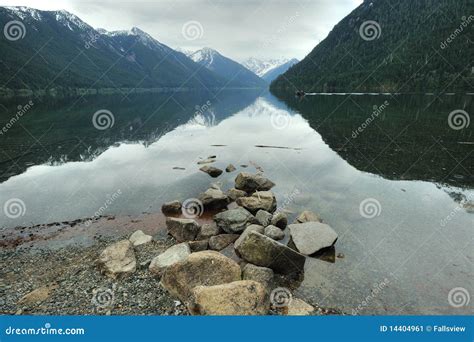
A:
x,y
237,29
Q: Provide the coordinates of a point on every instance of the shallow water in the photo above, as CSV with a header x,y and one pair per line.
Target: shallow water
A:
x,y
407,168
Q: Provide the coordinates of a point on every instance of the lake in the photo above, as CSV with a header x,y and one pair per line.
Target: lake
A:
x,y
388,172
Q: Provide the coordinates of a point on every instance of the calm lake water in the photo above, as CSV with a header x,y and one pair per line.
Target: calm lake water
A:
x,y
397,188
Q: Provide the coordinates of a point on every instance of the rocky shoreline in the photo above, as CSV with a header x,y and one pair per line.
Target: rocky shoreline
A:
x,y
246,260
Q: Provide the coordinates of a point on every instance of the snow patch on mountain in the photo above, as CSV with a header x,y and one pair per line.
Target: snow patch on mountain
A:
x,y
261,66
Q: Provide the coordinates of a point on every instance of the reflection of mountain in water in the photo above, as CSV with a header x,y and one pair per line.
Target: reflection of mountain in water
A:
x,y
408,139
51,131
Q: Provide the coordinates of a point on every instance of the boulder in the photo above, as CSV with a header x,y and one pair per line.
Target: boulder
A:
x,y
233,194
230,168
198,245
310,237
211,171
263,217
263,275
139,238
234,220
219,242
205,268
308,216
274,233
169,257
250,182
252,228
208,230
214,199
279,220
171,208
263,251
260,200
118,259
182,229
244,297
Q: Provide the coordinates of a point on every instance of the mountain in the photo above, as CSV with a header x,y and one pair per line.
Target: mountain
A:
x,y
235,73
272,74
262,66
56,49
393,46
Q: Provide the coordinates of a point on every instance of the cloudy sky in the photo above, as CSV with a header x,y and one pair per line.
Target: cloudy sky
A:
x,y
237,28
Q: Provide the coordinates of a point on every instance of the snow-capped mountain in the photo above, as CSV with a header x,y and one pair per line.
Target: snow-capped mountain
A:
x,y
261,66
235,73
272,74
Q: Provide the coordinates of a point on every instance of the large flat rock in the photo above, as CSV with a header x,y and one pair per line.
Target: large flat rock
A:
x,y
310,237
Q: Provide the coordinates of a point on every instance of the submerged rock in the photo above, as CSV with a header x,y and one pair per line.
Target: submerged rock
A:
x,y
234,220
263,217
279,220
182,229
263,275
173,208
118,259
169,257
250,182
205,268
263,251
274,233
214,199
244,297
308,216
139,238
233,194
252,228
260,200
230,168
219,242
211,171
209,160
311,237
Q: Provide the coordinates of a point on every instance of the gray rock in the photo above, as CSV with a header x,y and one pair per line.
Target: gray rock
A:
x,y
214,199
230,168
208,230
169,257
260,200
219,242
139,238
234,220
207,160
233,194
173,208
205,268
263,217
260,250
279,220
252,228
211,171
182,229
310,237
243,298
263,275
250,182
308,216
274,233
118,259
198,245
